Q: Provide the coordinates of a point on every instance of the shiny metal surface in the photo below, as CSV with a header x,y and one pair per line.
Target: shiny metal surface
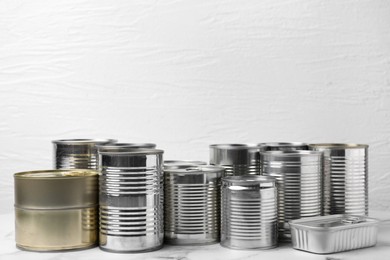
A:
x,y
181,163
238,159
56,210
299,178
77,153
249,212
114,146
284,146
131,199
192,205
345,178
334,233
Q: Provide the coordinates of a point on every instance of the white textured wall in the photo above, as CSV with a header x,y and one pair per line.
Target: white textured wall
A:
x,y
185,74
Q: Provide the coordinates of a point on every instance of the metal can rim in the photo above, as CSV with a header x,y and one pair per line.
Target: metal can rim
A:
x,y
282,144
83,141
291,153
249,178
132,151
126,145
197,170
339,145
234,146
56,174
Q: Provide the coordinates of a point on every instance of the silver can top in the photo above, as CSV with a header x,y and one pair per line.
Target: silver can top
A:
x,y
83,141
335,146
331,222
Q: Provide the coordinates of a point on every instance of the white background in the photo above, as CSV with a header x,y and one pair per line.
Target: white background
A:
x,y
185,74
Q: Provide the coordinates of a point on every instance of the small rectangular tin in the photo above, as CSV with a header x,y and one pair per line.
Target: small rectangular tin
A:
x,y
333,233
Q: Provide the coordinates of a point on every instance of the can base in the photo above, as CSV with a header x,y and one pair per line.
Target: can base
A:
x,y
131,251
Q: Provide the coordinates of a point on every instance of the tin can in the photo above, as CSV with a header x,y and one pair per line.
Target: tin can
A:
x,y
77,153
249,212
56,210
284,146
345,178
299,178
335,233
237,159
131,204
192,207
182,164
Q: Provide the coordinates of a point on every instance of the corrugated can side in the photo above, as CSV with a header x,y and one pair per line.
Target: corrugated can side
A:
x,y
345,188
299,178
249,212
77,153
237,159
131,200
56,210
192,205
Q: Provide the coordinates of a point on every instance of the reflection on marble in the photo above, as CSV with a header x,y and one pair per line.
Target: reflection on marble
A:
x,y
8,251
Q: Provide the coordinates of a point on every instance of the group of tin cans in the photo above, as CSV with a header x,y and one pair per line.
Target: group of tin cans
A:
x,y
126,198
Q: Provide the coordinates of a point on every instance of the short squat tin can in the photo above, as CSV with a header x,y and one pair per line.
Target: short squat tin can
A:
x,y
56,210
249,217
192,205
77,153
131,199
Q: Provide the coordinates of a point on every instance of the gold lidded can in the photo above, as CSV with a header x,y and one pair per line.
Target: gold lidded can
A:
x,y
56,209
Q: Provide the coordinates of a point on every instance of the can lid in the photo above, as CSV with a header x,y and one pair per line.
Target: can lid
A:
x,y
181,164
338,146
249,179
56,174
331,222
83,141
284,145
234,146
114,146
128,151
196,169
291,153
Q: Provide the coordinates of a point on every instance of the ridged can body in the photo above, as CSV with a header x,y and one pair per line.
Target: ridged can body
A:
x,y
284,146
299,178
237,159
77,153
249,212
56,210
131,199
192,205
345,178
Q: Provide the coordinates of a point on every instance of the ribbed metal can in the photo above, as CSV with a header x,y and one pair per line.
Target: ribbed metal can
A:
x,y
77,153
345,178
299,178
56,210
192,205
284,146
237,159
182,164
249,212
131,199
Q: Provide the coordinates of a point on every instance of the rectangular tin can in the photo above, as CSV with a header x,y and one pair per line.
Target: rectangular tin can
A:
x,y
333,233
56,210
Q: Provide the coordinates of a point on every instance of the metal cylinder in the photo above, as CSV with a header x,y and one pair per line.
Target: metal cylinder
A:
x,y
192,205
77,153
284,146
237,159
249,212
56,210
131,199
181,164
345,178
299,178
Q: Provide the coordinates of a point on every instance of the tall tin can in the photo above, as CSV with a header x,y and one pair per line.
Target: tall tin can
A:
x,y
345,178
284,146
56,210
131,204
192,205
249,212
77,153
299,178
237,159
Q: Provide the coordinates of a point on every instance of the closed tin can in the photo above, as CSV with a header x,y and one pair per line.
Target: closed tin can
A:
x,y
131,204
182,163
345,178
334,233
284,146
299,178
192,205
56,209
249,212
77,153
237,159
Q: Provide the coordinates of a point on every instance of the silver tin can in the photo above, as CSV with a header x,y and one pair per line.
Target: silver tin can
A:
x,y
131,204
192,205
284,146
182,164
334,233
299,178
249,212
77,153
345,178
237,159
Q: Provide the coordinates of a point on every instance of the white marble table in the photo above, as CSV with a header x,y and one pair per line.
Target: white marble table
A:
x,y
8,251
